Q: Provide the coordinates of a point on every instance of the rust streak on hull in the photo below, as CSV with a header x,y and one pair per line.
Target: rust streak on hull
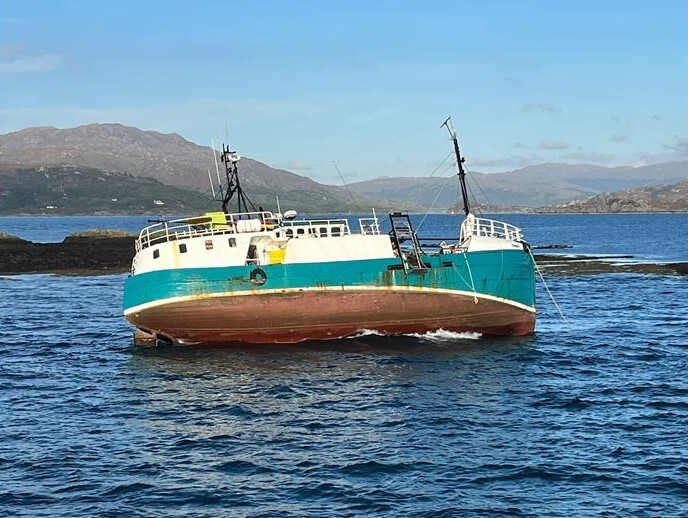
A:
x,y
311,315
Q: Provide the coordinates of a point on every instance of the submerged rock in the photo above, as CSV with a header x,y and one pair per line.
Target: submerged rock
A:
x,y
76,254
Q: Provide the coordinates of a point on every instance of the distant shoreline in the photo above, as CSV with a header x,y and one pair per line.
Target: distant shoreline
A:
x,y
109,252
414,213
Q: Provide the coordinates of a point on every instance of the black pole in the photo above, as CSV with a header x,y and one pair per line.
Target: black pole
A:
x,y
230,158
459,160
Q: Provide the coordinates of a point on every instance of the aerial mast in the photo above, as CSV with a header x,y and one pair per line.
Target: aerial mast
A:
x,y
230,159
459,160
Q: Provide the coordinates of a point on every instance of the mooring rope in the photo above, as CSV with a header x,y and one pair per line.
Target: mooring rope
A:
x,y
458,272
470,275
542,278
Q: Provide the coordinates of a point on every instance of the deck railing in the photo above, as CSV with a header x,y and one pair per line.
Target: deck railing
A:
x,y
369,226
215,223
482,227
314,224
212,223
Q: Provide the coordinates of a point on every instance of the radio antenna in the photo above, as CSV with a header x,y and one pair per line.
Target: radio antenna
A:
x,y
459,160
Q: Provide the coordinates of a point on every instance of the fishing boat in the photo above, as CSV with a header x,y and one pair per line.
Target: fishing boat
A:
x,y
261,277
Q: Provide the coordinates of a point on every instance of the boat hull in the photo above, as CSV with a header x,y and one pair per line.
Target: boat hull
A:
x,y
291,317
487,292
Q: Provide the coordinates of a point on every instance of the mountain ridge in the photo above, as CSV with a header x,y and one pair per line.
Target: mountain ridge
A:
x,y
165,157
531,186
172,160
168,157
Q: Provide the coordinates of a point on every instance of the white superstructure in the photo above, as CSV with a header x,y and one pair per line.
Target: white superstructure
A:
x,y
255,238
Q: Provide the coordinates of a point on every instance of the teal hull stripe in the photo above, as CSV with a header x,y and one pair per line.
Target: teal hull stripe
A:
x,y
504,274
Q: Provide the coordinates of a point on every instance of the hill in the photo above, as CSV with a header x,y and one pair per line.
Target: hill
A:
x,y
173,161
84,190
167,158
533,186
655,198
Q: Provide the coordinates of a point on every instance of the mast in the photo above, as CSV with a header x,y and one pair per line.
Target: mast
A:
x,y
459,160
230,159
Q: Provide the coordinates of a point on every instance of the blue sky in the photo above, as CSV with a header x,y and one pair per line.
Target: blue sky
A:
x,y
298,84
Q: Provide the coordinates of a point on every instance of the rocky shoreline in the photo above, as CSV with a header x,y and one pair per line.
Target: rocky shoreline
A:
x,y
100,252
76,255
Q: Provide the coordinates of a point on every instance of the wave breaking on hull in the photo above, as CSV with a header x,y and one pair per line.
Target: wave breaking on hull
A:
x,y
431,336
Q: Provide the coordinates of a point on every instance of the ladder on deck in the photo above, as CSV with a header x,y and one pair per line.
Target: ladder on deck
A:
x,y
402,230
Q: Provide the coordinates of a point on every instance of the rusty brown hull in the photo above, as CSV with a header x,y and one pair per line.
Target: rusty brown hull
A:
x,y
316,315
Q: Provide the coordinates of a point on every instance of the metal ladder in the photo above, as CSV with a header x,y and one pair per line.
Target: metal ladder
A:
x,y
402,230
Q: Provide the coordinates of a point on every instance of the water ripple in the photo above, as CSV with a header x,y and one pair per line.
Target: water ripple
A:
x,y
586,419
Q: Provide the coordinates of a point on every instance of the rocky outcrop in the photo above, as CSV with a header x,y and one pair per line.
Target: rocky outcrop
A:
x,y
73,255
656,198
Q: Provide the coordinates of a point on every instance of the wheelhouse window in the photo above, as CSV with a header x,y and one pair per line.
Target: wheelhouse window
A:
x,y
156,253
232,242
336,231
323,231
182,248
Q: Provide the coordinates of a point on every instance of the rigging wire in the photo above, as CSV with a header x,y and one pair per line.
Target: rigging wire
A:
x,y
441,163
346,186
432,205
477,183
366,150
405,201
475,201
360,152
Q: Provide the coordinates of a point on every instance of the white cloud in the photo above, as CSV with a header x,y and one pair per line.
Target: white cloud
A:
x,y
295,165
618,138
540,107
511,161
591,157
679,146
554,145
29,64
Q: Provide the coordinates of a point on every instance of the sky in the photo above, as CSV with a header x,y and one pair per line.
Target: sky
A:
x,y
366,84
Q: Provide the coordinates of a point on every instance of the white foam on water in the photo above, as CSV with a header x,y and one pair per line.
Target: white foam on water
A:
x,y
443,336
368,332
439,335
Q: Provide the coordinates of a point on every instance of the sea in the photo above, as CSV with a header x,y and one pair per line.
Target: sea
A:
x,y
588,417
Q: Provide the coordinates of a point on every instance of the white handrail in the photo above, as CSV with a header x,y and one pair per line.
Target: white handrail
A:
x,y
483,227
232,223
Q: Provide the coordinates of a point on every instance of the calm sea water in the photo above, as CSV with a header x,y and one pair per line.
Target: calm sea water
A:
x,y
584,418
